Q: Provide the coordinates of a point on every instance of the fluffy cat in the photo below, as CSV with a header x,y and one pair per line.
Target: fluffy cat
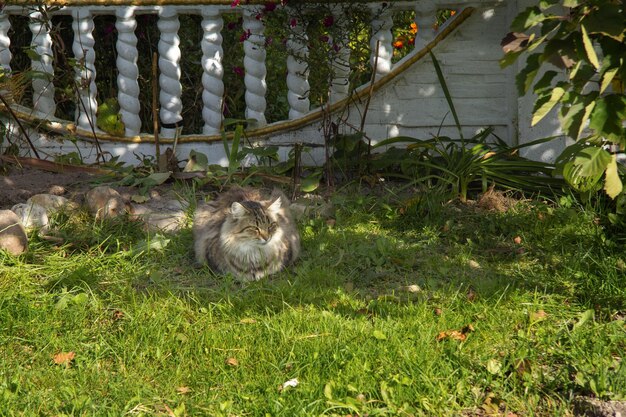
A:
x,y
245,233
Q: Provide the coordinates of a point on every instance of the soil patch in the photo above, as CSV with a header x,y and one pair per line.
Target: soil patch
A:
x,y
20,183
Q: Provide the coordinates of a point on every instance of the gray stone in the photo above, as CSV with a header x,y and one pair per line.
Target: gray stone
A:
x,y
160,214
593,407
13,237
105,202
51,203
31,215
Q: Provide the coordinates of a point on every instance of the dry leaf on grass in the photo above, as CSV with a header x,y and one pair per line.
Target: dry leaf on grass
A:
x,y
64,358
459,335
183,390
232,362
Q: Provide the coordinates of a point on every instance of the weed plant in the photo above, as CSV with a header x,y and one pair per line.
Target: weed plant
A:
x,y
403,304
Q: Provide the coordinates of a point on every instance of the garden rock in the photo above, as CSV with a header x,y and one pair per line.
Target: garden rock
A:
x,y
51,203
31,215
105,203
311,206
13,237
593,407
159,214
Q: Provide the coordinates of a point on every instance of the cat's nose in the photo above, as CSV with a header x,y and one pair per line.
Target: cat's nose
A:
x,y
264,237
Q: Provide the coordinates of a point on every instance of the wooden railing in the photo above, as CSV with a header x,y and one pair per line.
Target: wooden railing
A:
x,y
212,62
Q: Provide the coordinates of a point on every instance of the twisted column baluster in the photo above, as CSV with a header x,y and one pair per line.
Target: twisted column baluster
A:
x,y
213,86
85,55
43,88
298,74
169,78
5,43
127,84
425,12
340,85
381,41
254,64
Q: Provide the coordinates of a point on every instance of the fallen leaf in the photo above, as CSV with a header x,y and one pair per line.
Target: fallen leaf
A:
x,y
232,362
438,311
183,390
473,264
522,366
413,288
64,358
459,335
517,240
471,295
538,316
118,315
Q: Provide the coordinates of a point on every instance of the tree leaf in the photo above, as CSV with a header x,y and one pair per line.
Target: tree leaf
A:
x,y
545,107
607,77
607,117
310,183
591,53
526,76
64,358
527,19
592,161
607,20
612,183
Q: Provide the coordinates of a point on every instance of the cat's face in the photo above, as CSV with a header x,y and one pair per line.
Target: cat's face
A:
x,y
253,222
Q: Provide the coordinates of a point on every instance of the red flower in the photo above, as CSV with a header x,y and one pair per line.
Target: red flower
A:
x,y
293,22
245,36
269,7
235,3
328,21
239,71
398,44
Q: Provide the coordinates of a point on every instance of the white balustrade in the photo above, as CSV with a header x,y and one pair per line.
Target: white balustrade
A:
x,y
212,84
381,42
424,20
298,73
169,78
43,88
254,65
212,61
128,72
83,48
5,43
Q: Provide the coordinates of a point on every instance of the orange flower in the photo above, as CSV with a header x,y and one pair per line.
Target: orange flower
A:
x,y
413,28
452,13
398,44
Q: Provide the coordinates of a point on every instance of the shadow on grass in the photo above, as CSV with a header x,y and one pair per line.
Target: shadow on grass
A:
x,y
373,251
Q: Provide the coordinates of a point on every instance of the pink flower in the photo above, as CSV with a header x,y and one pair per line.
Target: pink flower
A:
x,y
235,3
245,36
239,71
293,22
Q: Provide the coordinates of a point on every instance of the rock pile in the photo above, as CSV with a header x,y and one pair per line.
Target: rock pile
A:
x,y
157,213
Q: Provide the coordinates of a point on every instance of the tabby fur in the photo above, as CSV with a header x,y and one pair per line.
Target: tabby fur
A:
x,y
245,233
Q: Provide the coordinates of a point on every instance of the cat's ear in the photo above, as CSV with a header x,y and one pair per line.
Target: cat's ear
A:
x,y
275,206
237,210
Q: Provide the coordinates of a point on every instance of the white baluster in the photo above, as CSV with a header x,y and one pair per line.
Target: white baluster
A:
x,y
85,55
5,42
213,86
425,12
298,74
340,85
169,78
127,84
254,64
381,41
43,88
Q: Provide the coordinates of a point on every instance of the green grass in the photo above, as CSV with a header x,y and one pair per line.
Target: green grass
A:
x,y
152,335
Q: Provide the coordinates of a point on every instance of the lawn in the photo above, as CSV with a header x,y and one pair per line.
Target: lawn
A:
x,y
398,306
